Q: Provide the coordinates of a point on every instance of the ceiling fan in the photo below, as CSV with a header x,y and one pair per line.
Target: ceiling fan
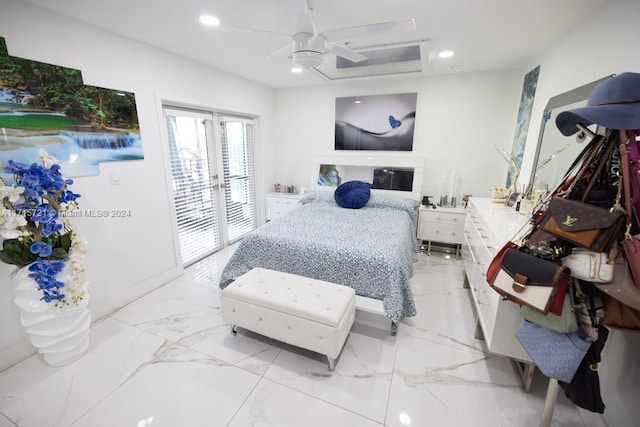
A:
x,y
309,46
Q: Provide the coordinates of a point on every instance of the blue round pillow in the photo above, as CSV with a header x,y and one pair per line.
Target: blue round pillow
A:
x,y
352,194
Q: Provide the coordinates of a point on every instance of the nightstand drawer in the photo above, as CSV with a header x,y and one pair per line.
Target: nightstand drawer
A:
x,y
443,232
440,225
277,204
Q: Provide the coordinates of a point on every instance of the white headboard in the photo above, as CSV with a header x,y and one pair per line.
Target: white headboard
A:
x,y
361,167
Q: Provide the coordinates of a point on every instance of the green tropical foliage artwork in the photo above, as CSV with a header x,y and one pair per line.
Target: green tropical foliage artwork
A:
x,y
46,106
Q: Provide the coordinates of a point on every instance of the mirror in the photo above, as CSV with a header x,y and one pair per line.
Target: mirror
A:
x,y
555,152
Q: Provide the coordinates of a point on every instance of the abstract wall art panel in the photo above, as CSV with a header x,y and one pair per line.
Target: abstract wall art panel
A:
x,y
522,126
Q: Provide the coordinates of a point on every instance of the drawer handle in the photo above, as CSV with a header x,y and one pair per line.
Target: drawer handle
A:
x,y
479,290
482,303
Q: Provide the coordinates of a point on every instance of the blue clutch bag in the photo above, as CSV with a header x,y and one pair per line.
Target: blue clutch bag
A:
x,y
557,355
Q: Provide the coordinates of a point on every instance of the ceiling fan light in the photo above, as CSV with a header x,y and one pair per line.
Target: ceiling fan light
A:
x,y
308,58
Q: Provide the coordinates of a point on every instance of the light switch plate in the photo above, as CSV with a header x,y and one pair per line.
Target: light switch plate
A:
x,y
114,177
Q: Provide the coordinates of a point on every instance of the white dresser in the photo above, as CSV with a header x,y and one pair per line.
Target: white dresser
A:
x,y
443,225
277,204
487,228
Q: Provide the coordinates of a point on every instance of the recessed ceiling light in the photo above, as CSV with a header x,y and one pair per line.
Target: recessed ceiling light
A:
x,y
209,20
445,54
296,69
357,102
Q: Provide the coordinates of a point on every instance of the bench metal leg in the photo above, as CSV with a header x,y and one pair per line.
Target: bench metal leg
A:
x,y
233,329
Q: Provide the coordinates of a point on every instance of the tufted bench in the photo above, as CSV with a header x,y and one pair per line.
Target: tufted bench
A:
x,y
308,313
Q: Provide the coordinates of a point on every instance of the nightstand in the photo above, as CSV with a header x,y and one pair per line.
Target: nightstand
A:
x,y
277,204
442,225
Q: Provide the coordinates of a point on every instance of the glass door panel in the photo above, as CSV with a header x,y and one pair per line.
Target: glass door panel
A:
x,y
195,183
236,136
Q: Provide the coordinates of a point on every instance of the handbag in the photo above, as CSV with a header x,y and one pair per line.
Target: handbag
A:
x,y
620,316
557,355
564,323
583,224
584,388
630,243
528,280
588,265
634,164
622,286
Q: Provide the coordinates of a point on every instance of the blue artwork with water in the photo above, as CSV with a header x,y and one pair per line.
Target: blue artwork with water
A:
x,y
45,106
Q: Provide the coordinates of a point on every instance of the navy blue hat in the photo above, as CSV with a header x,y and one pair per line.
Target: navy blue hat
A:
x,y
614,104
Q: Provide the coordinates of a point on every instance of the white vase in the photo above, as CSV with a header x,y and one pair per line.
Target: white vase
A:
x,y
61,335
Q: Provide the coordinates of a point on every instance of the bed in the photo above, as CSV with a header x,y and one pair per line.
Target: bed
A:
x,y
369,249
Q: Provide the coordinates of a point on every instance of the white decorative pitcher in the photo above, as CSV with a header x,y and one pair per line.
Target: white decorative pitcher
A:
x,y
60,334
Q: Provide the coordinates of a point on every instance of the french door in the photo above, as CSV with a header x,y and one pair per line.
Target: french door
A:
x,y
212,175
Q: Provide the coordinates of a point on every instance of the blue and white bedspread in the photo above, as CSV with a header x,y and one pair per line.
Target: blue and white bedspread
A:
x,y
369,249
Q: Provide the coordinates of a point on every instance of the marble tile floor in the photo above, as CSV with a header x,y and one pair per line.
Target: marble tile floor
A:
x,y
168,359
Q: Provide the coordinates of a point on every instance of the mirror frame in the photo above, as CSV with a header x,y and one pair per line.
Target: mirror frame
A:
x,y
581,93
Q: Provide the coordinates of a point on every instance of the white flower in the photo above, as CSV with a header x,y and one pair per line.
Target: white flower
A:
x,y
10,222
47,159
12,193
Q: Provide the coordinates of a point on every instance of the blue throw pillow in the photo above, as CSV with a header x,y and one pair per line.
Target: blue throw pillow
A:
x,y
352,194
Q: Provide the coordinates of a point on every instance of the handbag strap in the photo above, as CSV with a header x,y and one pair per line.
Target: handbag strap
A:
x,y
610,141
626,177
582,162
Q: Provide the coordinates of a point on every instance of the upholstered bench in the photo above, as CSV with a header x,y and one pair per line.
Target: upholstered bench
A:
x,y
308,313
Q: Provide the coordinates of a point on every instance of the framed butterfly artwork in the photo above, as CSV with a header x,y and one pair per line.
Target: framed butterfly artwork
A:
x,y
375,122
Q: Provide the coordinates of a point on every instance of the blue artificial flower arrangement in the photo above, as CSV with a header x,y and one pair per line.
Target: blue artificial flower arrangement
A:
x,y
36,232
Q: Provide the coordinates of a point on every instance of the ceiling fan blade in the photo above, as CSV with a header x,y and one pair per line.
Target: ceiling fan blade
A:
x,y
250,31
288,49
343,52
361,31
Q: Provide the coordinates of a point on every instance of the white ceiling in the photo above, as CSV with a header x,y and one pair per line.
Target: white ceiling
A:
x,y
485,34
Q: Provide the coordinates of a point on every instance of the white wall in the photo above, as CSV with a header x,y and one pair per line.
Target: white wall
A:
x,y
128,257
457,117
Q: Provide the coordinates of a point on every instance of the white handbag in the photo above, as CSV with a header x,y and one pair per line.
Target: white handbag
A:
x,y
589,265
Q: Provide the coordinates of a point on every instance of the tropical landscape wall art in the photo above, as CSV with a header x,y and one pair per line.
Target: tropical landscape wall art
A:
x,y
45,106
375,122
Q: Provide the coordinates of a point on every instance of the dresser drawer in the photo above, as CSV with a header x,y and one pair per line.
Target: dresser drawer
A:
x,y
483,238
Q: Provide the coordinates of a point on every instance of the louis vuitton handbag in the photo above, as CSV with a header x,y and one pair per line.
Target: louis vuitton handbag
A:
x,y
585,225
575,216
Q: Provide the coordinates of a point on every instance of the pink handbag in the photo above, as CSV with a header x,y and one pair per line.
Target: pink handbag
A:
x,y
634,166
630,243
